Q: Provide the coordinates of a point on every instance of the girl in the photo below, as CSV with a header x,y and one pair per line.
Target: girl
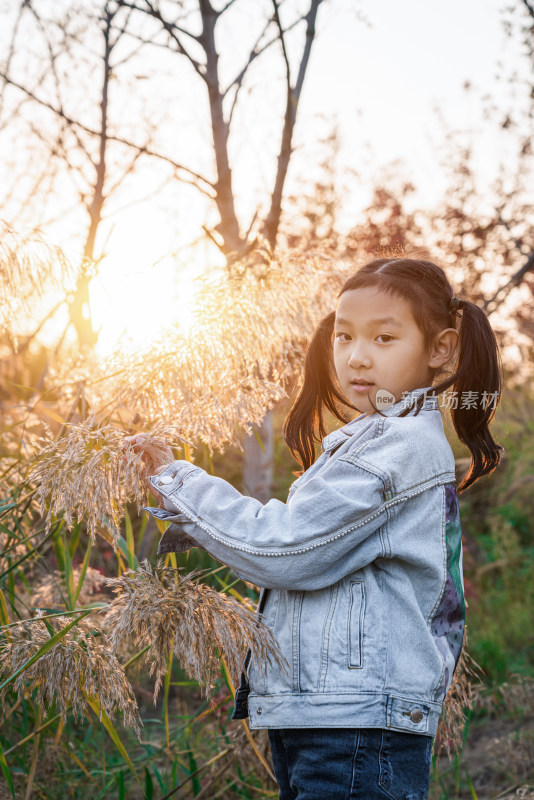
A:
x,y
361,568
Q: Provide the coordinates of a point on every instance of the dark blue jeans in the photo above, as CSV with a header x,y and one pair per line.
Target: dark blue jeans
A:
x,y
350,763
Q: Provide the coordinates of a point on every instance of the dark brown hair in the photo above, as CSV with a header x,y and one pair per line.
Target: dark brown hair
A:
x,y
427,290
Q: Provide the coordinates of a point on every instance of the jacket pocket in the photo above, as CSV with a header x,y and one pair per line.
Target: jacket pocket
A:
x,y
355,624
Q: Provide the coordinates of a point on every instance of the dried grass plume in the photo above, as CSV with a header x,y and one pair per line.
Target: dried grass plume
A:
x,y
173,612
29,268
233,364
92,472
80,664
460,698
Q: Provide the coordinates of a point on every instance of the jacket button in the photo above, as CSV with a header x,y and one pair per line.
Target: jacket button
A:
x,y
259,711
416,715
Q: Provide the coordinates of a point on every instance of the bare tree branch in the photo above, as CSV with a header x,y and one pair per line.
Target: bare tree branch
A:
x,y
172,29
293,96
143,150
253,55
51,53
212,238
282,38
310,35
11,50
57,150
518,243
153,193
121,30
497,299
229,225
111,189
47,175
225,7
255,52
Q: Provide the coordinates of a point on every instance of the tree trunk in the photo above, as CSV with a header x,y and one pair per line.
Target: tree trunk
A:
x,y
258,460
79,308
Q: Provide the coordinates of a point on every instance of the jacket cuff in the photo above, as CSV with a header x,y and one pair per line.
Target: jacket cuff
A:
x,y
176,538
172,476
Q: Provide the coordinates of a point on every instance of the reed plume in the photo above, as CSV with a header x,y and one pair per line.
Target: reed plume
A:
x,y
247,339
79,666
460,698
173,612
50,591
29,268
92,472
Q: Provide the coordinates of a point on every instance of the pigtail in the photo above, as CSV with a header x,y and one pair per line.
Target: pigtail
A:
x,y
478,383
304,424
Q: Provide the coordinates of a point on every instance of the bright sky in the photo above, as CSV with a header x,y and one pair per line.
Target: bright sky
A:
x,y
383,82
380,80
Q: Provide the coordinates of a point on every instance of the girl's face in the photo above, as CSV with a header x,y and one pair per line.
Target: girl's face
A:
x,y
378,345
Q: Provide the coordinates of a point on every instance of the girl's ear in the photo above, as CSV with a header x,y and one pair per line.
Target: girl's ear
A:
x,y
443,348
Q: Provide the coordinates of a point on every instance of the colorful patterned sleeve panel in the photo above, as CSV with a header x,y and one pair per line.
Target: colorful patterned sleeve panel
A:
x,y
449,621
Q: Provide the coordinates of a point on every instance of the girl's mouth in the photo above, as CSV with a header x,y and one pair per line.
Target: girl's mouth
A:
x,y
361,387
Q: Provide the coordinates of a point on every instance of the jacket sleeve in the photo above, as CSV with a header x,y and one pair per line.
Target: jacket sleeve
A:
x,y
328,529
176,538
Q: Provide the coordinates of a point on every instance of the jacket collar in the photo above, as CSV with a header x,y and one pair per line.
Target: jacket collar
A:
x,y
395,409
336,437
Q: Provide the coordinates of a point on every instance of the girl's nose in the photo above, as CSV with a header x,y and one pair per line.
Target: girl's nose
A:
x,y
358,358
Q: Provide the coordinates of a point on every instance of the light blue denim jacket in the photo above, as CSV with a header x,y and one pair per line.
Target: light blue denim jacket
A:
x,y
361,569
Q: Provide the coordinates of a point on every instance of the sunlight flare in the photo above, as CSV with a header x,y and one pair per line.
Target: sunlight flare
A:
x,y
131,307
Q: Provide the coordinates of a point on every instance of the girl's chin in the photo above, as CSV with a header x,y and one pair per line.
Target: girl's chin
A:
x,y
362,403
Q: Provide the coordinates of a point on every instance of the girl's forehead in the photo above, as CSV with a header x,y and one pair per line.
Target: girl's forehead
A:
x,y
371,303
366,295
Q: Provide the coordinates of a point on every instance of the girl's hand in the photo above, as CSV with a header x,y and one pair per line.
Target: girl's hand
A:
x,y
155,457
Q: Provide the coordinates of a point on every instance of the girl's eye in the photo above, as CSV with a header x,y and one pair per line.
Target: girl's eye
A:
x,y
339,336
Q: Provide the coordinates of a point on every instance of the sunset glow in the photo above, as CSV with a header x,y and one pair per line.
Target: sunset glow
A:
x,y
129,311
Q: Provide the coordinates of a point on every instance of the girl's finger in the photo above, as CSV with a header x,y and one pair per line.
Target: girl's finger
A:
x,y
133,441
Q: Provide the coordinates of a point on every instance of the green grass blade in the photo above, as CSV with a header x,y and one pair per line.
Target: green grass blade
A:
x,y
95,704
32,552
133,563
4,508
83,572
6,771
471,787
258,439
69,576
130,557
122,788
74,539
158,777
193,767
166,687
142,529
59,549
135,657
149,785
4,615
